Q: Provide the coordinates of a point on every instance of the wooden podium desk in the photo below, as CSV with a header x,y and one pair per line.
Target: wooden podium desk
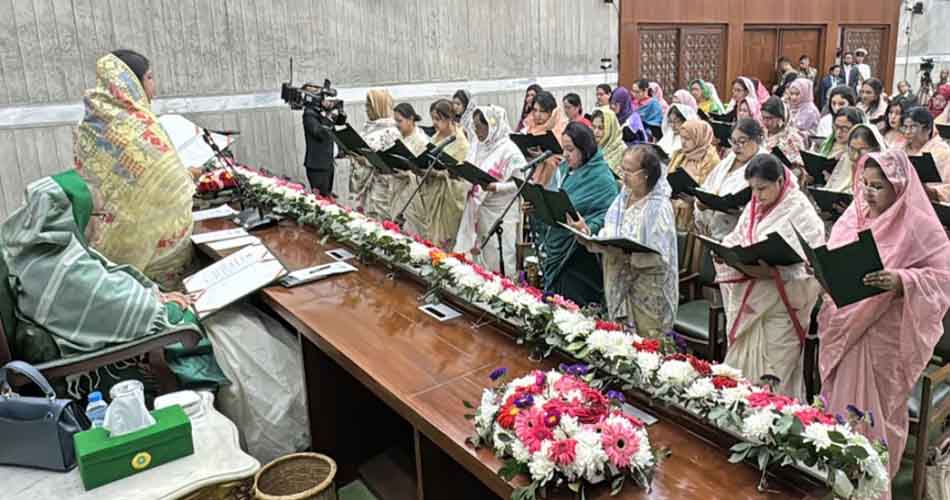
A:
x,y
379,371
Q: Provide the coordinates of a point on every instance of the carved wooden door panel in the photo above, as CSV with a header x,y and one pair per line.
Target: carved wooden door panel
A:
x,y
673,55
874,40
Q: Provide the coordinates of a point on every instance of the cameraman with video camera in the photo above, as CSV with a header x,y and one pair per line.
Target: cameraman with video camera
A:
x,y
317,123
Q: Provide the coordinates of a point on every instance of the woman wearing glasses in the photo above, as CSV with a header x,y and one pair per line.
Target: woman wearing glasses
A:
x,y
921,138
729,177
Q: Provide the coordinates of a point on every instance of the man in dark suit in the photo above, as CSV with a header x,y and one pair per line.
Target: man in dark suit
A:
x,y
832,80
852,75
318,160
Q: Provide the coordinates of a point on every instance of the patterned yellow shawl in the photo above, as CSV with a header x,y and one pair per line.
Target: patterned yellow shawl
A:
x,y
139,186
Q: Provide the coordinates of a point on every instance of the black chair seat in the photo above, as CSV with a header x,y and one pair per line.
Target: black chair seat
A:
x,y
692,319
938,393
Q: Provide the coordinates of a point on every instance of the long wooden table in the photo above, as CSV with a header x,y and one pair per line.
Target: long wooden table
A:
x,y
370,354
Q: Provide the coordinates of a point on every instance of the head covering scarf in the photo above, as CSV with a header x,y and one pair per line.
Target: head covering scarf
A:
x,y
842,177
621,96
711,96
380,103
466,120
657,91
755,107
913,244
943,90
670,142
752,95
700,134
498,131
135,177
804,115
683,97
556,124
611,143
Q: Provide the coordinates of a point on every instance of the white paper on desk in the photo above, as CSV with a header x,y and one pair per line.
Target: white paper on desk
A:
x,y
217,246
224,234
213,213
189,142
232,278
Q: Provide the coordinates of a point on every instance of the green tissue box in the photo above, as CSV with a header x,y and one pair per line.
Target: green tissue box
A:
x,y
103,459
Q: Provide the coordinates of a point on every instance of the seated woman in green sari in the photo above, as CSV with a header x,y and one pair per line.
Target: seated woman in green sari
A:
x,y
569,269
71,300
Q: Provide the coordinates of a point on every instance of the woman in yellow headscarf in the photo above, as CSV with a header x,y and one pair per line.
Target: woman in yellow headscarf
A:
x,y
142,193
373,190
698,157
607,132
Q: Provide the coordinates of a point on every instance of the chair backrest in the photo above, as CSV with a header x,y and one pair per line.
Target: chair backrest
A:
x,y
942,350
683,249
8,321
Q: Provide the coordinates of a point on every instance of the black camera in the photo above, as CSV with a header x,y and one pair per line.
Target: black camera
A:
x,y
298,98
927,64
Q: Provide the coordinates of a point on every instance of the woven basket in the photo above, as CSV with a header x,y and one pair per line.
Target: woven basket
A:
x,y
301,476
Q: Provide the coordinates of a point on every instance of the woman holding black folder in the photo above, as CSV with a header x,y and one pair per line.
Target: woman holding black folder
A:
x,y
444,195
373,190
874,351
494,153
922,138
404,182
768,308
641,288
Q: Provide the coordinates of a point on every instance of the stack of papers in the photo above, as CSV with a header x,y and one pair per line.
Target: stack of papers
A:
x,y
213,213
233,278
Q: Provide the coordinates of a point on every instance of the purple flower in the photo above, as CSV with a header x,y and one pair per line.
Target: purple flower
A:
x,y
678,339
871,418
577,369
522,278
840,419
823,401
615,395
552,418
524,401
853,410
884,442
497,373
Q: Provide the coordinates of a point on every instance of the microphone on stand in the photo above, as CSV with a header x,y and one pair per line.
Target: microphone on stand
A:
x,y
442,145
434,156
544,156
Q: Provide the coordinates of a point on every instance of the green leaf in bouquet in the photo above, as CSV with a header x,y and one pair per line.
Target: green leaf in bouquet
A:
x,y
467,405
617,485
837,437
576,346
764,455
858,452
783,424
469,416
510,469
739,447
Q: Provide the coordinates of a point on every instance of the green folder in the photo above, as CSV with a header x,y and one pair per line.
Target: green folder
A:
x,y
773,250
841,271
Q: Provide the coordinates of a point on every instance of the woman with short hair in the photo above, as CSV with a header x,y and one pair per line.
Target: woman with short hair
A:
x,y
574,109
443,196
840,97
923,138
404,182
873,101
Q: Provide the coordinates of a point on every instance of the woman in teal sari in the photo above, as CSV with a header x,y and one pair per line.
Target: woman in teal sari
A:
x,y
70,300
569,269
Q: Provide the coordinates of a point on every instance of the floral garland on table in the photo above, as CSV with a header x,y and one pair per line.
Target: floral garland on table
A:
x,y
775,429
558,430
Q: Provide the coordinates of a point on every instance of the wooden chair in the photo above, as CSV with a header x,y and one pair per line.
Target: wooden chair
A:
x,y
153,346
929,407
700,318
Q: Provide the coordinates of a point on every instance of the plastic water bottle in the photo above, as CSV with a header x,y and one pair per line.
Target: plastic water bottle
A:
x,y
96,409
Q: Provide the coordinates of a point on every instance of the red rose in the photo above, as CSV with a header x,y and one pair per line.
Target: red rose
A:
x,y
701,367
647,345
720,382
609,326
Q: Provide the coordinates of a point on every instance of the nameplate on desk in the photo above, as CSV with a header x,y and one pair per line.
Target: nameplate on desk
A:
x,y
639,414
224,234
233,243
213,213
340,254
440,312
310,274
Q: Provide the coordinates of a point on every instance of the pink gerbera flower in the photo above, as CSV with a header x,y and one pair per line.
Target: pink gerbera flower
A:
x,y
620,443
531,429
562,452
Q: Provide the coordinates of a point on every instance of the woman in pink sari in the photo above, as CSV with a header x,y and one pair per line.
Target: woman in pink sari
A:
x,y
768,308
873,351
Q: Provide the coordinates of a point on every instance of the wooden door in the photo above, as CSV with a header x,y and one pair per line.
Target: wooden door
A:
x,y
873,39
759,48
794,43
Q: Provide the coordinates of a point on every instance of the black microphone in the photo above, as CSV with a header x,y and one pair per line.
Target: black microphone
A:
x,y
544,156
442,145
225,132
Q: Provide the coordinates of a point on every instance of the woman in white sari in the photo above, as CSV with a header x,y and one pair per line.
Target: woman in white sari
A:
x,y
673,119
404,182
369,189
495,153
729,177
768,308
641,288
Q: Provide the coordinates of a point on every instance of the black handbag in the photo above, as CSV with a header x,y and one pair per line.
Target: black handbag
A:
x,y
37,431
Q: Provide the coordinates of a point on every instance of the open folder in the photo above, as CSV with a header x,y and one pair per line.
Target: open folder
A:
x,y
818,166
926,168
232,278
724,203
544,142
944,131
625,244
943,213
473,174
352,144
551,207
841,271
773,250
681,182
826,200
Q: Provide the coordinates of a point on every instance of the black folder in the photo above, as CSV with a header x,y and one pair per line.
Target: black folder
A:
x,y
430,131
943,213
656,132
664,157
549,206
545,142
818,166
841,271
473,174
773,250
729,117
625,244
726,203
631,136
351,142
445,160
399,157
681,182
776,152
944,131
723,132
826,200
926,168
